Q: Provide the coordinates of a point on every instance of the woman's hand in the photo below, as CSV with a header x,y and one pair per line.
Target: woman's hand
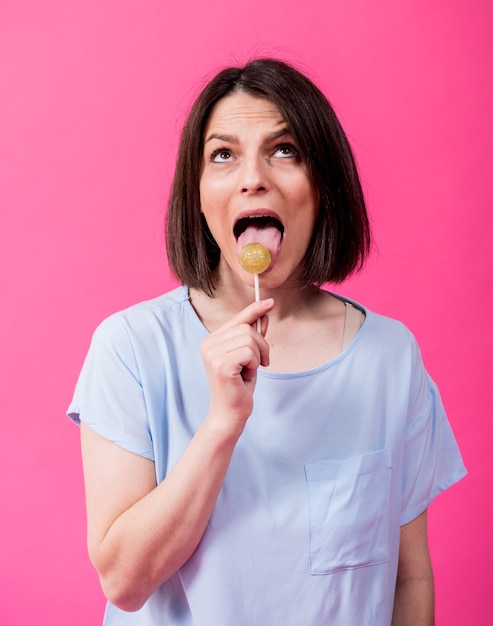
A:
x,y
232,355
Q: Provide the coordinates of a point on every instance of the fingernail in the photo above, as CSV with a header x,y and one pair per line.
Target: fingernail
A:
x,y
267,302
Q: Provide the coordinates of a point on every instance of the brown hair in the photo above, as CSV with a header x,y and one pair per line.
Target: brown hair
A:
x,y
341,239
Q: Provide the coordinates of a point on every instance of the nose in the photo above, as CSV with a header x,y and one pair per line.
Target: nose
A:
x,y
253,175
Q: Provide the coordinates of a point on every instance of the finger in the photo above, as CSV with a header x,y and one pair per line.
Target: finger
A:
x,y
229,351
264,346
250,364
250,314
248,335
264,324
248,374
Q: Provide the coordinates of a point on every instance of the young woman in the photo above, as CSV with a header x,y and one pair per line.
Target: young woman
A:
x,y
281,477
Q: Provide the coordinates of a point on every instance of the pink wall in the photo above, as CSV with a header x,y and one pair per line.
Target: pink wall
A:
x,y
92,96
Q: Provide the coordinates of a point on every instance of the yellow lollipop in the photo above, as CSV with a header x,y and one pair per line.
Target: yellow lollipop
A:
x,y
254,258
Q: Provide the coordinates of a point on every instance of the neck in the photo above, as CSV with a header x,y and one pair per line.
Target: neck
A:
x,y
231,296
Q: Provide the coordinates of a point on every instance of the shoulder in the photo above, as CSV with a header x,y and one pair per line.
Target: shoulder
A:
x,y
147,328
381,328
143,315
388,329
385,344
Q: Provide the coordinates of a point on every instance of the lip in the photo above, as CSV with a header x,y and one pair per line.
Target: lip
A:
x,y
256,213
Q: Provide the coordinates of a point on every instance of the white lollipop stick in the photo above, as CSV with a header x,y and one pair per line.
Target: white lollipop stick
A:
x,y
257,299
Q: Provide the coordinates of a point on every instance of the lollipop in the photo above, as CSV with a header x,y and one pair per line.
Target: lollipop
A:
x,y
255,258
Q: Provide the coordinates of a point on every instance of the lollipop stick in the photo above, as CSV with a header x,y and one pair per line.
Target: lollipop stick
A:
x,y
257,299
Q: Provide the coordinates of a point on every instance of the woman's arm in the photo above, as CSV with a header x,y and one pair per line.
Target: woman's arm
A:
x,y
140,533
414,593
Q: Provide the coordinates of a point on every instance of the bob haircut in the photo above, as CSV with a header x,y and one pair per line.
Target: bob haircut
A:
x,y
340,242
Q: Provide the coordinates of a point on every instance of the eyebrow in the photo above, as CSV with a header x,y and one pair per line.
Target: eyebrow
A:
x,y
234,139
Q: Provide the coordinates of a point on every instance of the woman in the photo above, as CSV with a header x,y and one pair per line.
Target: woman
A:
x,y
243,478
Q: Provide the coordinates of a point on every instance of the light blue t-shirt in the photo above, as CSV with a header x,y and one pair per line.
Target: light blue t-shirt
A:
x,y
333,460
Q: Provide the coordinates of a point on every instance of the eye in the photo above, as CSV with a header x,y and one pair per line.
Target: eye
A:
x,y
221,156
285,151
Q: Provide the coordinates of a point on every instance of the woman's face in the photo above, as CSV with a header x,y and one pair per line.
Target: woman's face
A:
x,y
254,187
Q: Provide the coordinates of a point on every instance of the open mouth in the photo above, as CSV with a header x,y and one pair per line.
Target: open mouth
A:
x,y
258,223
264,229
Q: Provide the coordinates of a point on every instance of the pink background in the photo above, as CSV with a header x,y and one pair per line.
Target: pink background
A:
x,y
92,97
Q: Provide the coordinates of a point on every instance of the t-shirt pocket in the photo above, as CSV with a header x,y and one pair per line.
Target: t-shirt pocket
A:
x,y
349,511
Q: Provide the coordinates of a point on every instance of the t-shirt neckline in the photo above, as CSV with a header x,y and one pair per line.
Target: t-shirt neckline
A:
x,y
299,373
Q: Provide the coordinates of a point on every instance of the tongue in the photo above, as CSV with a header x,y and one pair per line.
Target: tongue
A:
x,y
269,236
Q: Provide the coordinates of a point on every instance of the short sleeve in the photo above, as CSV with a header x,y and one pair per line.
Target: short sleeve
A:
x,y
432,460
109,396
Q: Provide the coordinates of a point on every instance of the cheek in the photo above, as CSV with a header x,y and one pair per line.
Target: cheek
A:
x,y
207,200
212,212
306,205
212,193
301,188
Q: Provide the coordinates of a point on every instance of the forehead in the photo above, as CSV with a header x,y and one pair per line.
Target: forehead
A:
x,y
241,109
